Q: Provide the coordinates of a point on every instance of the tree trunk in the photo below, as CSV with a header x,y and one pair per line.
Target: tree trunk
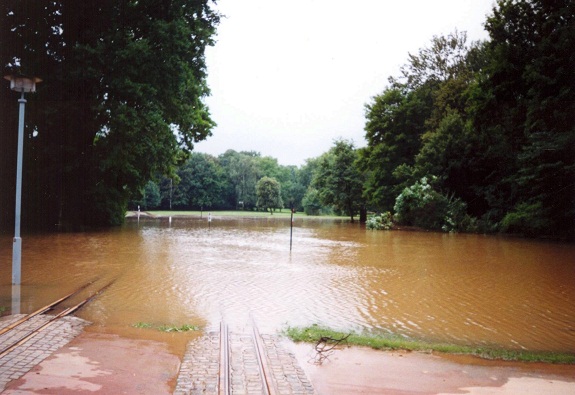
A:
x,y
363,215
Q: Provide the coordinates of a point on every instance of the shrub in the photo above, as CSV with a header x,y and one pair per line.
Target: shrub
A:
x,y
422,206
527,219
379,222
311,202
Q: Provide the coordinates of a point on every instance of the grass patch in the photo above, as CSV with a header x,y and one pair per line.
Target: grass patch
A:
x,y
241,213
142,325
3,309
393,342
183,328
167,328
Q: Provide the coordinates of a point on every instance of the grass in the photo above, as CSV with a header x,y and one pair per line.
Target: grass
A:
x,y
285,213
142,325
167,328
183,328
313,333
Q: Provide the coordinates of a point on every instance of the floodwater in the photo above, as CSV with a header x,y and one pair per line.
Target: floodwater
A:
x,y
464,289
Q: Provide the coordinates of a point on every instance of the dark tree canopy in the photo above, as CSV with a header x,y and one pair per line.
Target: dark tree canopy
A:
x,y
491,123
338,179
123,90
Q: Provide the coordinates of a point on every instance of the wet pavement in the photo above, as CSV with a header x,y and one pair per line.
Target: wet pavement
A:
x,y
244,362
20,360
256,364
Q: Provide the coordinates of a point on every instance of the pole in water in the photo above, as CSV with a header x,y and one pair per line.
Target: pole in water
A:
x,y
209,219
291,230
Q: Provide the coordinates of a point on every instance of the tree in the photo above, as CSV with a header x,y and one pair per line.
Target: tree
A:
x,y
123,90
201,182
395,123
151,197
311,202
268,191
242,173
529,94
339,180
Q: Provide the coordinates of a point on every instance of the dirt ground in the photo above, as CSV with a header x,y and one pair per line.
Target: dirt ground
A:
x,y
108,364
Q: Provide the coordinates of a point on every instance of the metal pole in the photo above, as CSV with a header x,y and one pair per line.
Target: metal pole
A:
x,y
291,230
17,245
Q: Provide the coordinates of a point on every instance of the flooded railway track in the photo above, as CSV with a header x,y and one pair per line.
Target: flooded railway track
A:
x,y
230,362
27,339
9,342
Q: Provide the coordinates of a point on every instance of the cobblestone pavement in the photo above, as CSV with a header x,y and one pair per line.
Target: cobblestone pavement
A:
x,y
200,368
23,358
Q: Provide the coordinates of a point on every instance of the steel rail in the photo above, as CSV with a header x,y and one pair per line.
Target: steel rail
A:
x,y
63,313
42,310
224,378
265,371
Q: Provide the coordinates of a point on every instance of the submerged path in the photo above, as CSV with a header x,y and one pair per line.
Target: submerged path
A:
x,y
240,362
23,357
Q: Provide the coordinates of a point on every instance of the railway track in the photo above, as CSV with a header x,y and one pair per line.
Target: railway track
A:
x,y
230,362
12,337
243,364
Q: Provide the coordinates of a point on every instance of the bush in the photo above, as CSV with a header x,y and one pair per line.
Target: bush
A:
x,y
311,202
379,222
527,219
422,206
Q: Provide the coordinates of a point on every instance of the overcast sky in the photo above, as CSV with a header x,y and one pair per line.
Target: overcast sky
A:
x,y
288,77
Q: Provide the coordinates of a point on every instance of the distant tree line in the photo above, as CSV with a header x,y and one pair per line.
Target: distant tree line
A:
x,y
227,182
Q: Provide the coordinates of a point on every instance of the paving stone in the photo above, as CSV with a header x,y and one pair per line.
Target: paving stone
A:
x,y
199,371
29,354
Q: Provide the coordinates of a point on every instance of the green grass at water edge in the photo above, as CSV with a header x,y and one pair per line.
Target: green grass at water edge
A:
x,y
240,213
166,328
313,333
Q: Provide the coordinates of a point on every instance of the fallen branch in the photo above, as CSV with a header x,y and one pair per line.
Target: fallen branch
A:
x,y
325,347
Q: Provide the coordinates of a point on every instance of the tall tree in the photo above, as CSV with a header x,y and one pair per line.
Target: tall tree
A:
x,y
268,191
338,179
243,173
395,123
201,182
530,94
122,94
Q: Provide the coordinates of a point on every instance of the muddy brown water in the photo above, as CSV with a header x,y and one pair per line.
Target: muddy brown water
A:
x,y
464,289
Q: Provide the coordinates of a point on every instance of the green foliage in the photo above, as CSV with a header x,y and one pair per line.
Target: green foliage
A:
x,y
150,196
142,325
422,206
492,120
339,180
526,219
201,183
167,328
174,328
311,202
390,341
529,94
380,222
395,122
268,191
110,114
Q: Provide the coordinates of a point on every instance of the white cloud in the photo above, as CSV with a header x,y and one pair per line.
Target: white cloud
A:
x,y
289,77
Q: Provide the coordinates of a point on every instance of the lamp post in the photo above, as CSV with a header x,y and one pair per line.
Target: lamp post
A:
x,y
19,83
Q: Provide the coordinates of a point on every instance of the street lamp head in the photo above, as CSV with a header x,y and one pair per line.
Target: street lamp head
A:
x,y
22,83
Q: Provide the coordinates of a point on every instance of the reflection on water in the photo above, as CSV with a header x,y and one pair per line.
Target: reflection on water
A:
x,y
456,288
